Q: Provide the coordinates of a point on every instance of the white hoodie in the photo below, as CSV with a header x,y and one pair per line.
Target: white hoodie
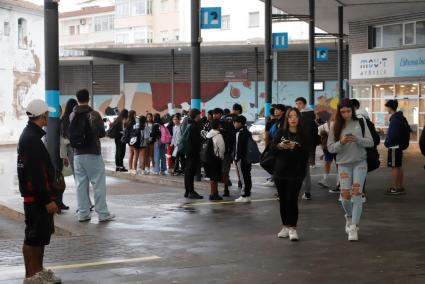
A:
x,y
218,141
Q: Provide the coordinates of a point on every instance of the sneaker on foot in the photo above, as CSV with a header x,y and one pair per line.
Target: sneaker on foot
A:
x,y
243,199
306,196
36,279
347,224
394,191
293,236
110,217
323,183
145,172
353,233
335,190
49,276
269,183
163,173
284,233
215,197
84,219
194,195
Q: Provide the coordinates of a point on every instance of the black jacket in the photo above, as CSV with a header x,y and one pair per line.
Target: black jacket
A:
x,y
308,119
241,144
97,130
195,139
229,133
35,169
290,164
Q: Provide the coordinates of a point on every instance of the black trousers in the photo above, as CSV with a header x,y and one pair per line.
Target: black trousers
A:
x,y
192,165
288,199
244,170
179,162
119,153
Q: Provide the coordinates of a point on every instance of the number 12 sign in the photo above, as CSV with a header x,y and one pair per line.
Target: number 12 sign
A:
x,y
211,18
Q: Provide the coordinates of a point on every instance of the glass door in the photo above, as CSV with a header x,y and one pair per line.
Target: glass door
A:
x,y
408,102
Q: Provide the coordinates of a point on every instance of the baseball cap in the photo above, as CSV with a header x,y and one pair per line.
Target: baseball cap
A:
x,y
38,107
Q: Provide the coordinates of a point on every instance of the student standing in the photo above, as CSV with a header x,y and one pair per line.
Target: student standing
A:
x,y
159,147
291,151
117,131
178,157
150,145
129,127
35,175
239,157
347,141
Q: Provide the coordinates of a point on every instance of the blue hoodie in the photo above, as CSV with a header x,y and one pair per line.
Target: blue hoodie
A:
x,y
395,130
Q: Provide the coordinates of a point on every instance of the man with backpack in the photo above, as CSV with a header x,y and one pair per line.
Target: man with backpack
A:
x,y
397,141
85,130
240,157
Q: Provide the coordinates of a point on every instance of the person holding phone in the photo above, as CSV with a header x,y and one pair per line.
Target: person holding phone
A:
x,y
347,141
290,145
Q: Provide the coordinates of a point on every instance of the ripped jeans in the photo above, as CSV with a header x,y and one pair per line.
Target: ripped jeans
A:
x,y
352,177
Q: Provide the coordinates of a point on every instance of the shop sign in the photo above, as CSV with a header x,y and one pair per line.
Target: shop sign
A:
x,y
399,63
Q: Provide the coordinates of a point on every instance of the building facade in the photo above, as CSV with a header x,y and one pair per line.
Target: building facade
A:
x,y
21,64
388,62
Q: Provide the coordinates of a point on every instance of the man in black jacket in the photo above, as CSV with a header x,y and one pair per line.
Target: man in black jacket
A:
x,y
239,156
193,155
36,175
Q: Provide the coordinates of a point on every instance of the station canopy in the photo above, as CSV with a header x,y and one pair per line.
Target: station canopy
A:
x,y
354,10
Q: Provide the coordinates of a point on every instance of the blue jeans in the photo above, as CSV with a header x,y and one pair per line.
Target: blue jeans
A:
x,y
159,157
90,168
352,178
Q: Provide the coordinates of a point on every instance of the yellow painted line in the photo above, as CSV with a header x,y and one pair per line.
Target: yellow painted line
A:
x,y
224,202
107,262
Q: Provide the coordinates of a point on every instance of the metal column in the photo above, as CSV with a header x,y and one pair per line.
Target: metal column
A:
x,y
257,72
268,57
311,53
195,71
92,84
51,63
173,106
341,52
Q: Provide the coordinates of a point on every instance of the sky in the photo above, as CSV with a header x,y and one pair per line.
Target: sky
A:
x,y
65,5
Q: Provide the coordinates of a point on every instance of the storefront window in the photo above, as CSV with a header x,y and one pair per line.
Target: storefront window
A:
x,y
408,102
362,94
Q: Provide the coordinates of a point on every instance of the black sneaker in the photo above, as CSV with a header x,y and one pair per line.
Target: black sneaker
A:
x,y
195,195
226,193
215,197
63,207
395,191
306,196
335,190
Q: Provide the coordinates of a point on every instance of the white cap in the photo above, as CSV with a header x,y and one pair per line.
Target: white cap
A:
x,y
38,107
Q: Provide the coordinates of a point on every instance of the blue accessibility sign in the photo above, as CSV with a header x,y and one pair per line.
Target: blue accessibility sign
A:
x,y
322,54
280,40
211,18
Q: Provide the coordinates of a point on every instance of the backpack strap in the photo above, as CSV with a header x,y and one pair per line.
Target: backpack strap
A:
x,y
362,125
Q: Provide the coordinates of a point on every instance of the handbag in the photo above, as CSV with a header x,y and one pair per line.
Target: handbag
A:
x,y
267,160
58,184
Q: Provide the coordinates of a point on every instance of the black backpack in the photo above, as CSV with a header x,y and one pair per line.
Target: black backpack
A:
x,y
405,134
375,136
253,155
79,131
373,161
207,151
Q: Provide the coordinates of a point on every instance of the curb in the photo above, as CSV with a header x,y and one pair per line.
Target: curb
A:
x,y
161,180
18,216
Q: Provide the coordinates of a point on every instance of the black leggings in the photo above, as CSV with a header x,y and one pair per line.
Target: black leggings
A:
x,y
192,165
119,153
288,199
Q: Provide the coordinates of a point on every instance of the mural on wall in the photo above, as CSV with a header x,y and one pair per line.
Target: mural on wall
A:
x,y
155,97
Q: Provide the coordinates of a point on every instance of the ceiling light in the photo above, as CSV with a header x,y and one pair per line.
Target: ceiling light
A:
x,y
401,86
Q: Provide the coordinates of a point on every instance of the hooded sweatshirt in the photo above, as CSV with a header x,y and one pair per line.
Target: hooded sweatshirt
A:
x,y
218,142
351,152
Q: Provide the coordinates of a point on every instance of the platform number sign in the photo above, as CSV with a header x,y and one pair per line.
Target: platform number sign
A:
x,y
322,54
280,40
211,18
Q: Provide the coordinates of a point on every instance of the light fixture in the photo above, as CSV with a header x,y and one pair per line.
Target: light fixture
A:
x,y
382,89
377,85
401,86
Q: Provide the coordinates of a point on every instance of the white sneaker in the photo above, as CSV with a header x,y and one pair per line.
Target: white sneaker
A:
x,y
145,172
49,276
293,236
353,233
347,224
110,217
163,173
243,199
36,279
269,183
132,172
363,198
155,173
284,233
323,183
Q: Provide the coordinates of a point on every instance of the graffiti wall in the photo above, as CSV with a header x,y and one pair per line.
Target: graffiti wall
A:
x,y
21,68
156,97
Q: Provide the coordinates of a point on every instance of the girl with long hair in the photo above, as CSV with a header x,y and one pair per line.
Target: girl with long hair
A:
x,y
140,147
129,127
348,139
150,145
159,147
117,130
290,146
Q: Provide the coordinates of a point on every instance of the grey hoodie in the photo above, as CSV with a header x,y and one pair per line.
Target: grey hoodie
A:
x,y
350,152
